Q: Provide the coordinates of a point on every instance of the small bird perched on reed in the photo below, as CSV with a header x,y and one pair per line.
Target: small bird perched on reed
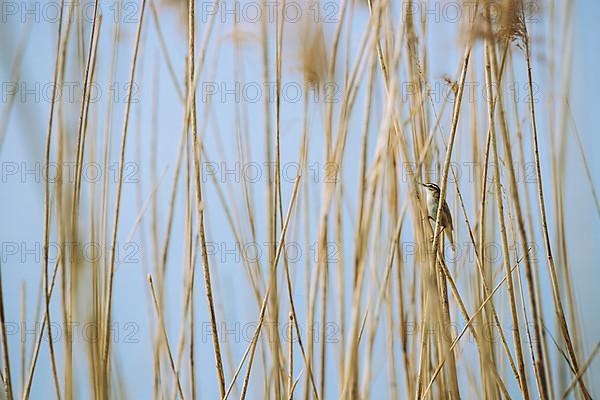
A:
x,y
433,199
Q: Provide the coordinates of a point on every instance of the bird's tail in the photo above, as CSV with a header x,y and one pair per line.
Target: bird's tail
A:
x,y
450,236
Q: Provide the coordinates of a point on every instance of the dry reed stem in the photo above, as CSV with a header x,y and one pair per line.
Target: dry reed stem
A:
x,y
464,330
265,299
165,336
199,202
163,47
290,338
38,341
539,364
8,388
448,157
503,234
15,73
562,322
479,262
586,165
57,67
374,217
107,310
582,371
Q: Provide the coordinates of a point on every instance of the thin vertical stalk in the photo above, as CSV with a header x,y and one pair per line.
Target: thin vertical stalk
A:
x,y
558,306
109,294
199,202
503,233
57,67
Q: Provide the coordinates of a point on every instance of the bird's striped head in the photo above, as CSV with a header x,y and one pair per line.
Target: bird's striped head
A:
x,y
432,187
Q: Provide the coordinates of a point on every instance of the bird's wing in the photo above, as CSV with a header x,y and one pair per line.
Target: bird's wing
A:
x,y
447,212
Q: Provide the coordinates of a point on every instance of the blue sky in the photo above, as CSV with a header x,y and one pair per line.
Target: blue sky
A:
x,y
22,202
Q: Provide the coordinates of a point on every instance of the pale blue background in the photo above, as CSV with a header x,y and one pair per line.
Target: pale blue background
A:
x,y
21,204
